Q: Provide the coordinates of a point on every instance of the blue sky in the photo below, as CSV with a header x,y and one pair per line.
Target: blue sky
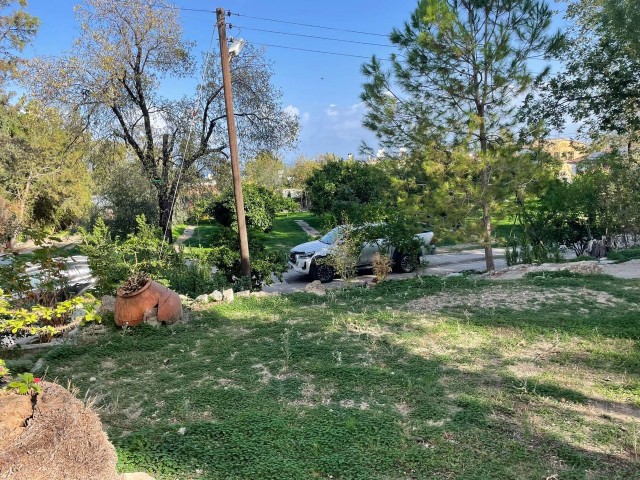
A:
x,y
323,88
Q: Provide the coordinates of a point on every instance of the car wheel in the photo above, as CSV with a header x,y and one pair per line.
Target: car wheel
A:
x,y
406,263
324,273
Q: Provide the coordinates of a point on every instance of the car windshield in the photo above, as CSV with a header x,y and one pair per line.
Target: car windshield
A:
x,y
331,237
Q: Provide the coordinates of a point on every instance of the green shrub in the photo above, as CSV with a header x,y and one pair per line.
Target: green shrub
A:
x,y
624,255
113,260
193,275
260,207
264,263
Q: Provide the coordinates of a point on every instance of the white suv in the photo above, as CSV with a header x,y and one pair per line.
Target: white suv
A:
x,y
304,258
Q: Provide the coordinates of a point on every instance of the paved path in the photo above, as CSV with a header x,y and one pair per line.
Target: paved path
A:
x,y
186,235
309,230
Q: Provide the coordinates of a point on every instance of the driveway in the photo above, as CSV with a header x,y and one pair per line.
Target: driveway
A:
x,y
445,262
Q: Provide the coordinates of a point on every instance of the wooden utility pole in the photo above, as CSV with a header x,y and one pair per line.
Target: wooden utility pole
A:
x,y
233,143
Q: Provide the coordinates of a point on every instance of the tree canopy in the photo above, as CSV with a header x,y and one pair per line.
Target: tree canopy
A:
x,y
113,75
450,93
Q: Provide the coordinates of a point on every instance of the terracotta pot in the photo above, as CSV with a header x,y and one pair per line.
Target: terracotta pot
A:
x,y
131,307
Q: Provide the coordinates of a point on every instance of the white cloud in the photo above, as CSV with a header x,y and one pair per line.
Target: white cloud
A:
x,y
291,110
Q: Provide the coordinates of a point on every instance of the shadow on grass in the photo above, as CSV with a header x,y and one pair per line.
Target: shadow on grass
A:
x,y
240,392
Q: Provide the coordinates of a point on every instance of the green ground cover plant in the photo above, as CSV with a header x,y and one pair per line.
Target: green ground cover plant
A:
x,y
425,378
624,255
204,235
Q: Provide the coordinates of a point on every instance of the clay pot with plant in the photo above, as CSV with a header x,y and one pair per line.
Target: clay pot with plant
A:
x,y
140,299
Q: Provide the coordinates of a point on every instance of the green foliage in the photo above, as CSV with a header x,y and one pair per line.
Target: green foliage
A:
x,y
113,260
89,77
598,86
265,170
192,275
17,28
4,371
46,321
264,263
602,200
358,384
624,255
25,385
260,207
43,176
447,101
301,171
124,193
349,189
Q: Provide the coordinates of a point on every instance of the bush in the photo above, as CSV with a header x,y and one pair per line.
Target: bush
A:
x,y
113,260
349,189
382,266
226,256
126,194
624,255
260,207
194,275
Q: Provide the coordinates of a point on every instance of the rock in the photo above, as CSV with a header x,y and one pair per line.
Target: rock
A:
x,y
260,294
186,300
227,295
108,304
216,296
39,366
93,379
202,298
14,411
453,274
243,293
316,288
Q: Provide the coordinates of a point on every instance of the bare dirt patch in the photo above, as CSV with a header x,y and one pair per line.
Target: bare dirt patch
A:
x,y
516,299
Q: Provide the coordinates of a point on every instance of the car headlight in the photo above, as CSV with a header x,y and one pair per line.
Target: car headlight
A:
x,y
306,255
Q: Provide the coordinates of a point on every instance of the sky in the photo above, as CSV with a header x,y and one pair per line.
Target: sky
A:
x,y
324,89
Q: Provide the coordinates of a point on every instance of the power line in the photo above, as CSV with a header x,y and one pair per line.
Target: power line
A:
x,y
314,51
312,36
307,25
166,7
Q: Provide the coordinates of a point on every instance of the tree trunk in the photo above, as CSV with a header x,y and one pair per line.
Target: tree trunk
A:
x,y
488,249
166,214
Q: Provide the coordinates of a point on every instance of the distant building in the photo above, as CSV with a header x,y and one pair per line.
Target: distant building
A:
x,y
569,152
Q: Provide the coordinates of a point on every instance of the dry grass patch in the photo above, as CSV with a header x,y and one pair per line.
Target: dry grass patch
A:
x,y
519,299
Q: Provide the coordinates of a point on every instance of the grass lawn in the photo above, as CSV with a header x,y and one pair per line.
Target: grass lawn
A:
x,y
286,233
408,380
204,235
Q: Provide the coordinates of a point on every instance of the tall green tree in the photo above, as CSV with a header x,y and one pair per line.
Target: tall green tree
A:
x,y
599,84
451,93
124,53
266,170
351,191
17,28
43,173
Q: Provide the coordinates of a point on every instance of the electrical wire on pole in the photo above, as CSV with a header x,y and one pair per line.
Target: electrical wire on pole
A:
x,y
245,267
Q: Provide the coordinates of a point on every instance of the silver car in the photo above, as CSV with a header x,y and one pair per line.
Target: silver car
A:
x,y
304,258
